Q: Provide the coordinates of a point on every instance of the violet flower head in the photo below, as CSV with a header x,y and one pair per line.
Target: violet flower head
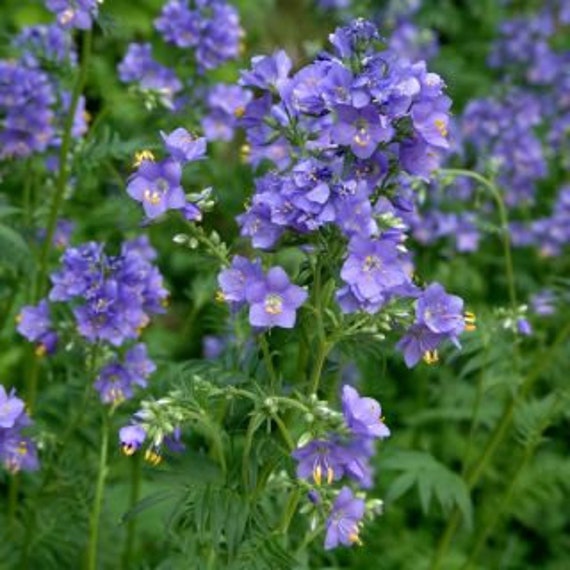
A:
x,y
418,341
183,147
267,71
131,438
11,408
440,312
114,383
235,280
274,300
363,416
34,322
139,365
361,129
74,13
343,521
320,459
157,185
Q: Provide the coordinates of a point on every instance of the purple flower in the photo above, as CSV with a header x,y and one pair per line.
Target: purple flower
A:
x,y
320,458
344,519
363,415
524,327
114,383
440,312
74,13
11,407
268,71
34,322
131,438
139,364
183,147
274,300
361,129
417,342
372,270
157,185
238,278
18,453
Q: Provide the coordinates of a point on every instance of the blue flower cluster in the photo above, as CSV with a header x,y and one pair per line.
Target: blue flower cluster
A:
x,y
33,103
113,299
334,456
210,27
17,451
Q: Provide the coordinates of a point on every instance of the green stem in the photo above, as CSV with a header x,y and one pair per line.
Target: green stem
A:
x,y
134,498
63,174
268,362
14,487
474,475
290,510
284,432
98,499
322,352
503,216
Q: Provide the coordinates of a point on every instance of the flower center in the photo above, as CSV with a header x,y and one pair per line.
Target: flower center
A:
x,y
441,127
371,263
273,304
152,196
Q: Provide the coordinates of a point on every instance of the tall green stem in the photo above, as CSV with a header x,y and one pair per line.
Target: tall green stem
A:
x,y
133,500
98,499
268,362
63,174
503,216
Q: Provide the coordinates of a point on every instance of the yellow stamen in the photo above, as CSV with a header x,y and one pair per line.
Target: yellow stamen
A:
x,y
330,475
142,156
273,304
128,449
245,152
41,350
318,475
470,320
441,127
152,457
18,318
431,357
354,538
239,112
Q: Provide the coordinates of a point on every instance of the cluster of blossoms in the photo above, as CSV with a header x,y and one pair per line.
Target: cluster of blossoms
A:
x,y
272,299
33,103
209,28
17,451
346,453
138,66
513,137
113,299
338,132
158,185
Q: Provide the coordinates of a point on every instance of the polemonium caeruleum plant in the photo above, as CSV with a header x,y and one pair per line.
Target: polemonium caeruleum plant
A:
x,y
273,451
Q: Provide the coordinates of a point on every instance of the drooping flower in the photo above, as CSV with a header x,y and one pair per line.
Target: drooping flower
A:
x,y
363,416
131,438
440,312
344,520
320,460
